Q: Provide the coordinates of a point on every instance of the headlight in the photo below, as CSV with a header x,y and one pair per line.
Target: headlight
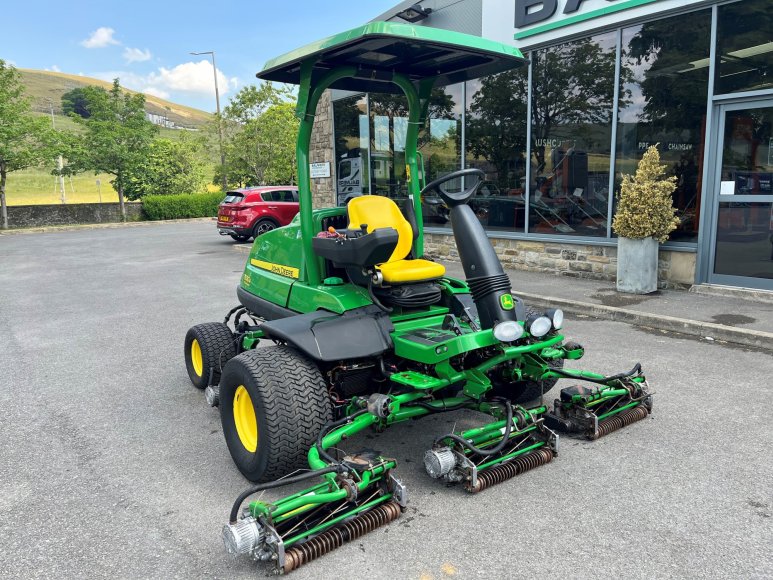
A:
x,y
556,316
539,326
508,331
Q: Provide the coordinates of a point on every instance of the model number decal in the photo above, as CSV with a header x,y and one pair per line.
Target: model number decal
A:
x,y
287,271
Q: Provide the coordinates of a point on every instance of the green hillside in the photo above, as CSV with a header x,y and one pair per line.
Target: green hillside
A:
x,y
44,87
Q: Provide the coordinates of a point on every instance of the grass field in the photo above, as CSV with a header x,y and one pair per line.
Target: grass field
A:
x,y
36,185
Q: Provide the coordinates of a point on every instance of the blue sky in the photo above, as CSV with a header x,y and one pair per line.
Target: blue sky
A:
x,y
147,43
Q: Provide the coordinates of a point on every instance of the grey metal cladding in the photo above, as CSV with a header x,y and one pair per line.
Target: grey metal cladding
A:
x,y
458,15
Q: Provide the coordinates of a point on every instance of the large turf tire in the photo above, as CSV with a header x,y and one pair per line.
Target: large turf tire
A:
x,y
207,348
290,405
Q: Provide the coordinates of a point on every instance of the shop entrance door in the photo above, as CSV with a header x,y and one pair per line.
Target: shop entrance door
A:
x,y
742,224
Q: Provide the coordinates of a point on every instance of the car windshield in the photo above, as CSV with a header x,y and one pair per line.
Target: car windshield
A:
x,y
233,197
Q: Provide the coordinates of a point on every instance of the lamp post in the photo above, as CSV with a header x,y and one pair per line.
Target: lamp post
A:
x,y
219,120
60,162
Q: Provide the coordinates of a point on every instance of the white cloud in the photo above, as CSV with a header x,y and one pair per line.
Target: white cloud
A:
x,y
192,77
53,68
153,91
131,55
100,38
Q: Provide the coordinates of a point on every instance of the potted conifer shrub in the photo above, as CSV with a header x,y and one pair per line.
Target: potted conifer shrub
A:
x,y
645,217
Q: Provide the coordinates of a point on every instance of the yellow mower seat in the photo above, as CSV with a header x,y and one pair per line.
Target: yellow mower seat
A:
x,y
381,212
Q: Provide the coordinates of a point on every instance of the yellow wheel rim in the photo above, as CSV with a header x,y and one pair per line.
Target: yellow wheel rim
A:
x,y
196,359
245,420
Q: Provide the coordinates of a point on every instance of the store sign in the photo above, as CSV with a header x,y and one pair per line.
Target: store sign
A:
x,y
529,12
531,22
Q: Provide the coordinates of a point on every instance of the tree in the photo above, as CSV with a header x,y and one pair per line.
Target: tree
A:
x,y
117,136
260,130
496,125
646,208
170,167
75,102
24,140
572,83
674,98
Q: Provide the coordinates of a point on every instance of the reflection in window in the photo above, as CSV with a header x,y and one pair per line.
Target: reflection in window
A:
x,y
744,47
663,92
496,143
572,97
744,241
351,147
439,144
747,151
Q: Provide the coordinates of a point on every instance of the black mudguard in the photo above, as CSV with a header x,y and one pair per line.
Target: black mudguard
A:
x,y
326,336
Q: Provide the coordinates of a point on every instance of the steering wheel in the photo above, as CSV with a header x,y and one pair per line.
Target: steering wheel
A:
x,y
456,197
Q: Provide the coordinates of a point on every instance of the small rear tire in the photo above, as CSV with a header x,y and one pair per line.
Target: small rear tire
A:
x,y
207,348
240,237
273,404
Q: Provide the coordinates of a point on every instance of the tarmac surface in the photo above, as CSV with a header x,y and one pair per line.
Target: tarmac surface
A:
x,y
113,466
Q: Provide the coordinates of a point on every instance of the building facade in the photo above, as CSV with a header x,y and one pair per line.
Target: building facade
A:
x,y
605,80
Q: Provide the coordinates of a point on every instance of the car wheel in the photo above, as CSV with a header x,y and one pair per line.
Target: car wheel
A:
x,y
263,226
240,238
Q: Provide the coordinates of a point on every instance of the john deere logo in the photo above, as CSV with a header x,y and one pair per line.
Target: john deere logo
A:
x,y
506,300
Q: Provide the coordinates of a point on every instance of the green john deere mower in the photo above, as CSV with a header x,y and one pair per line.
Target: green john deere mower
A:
x,y
357,329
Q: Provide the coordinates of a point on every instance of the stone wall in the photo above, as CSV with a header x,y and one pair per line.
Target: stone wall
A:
x,y
30,216
322,148
675,269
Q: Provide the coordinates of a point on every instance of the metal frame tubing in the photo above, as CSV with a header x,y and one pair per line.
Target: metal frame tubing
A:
x,y
306,110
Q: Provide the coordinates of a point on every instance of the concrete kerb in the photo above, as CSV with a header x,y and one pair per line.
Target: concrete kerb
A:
x,y
74,227
711,330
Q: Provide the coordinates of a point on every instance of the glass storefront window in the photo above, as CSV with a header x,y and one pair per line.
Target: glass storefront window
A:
x,y
351,147
663,92
744,240
744,47
747,151
572,97
495,138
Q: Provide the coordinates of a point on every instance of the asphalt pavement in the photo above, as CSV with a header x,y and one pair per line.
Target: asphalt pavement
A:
x,y
112,465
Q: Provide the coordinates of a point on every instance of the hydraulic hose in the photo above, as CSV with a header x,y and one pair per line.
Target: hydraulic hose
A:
x,y
485,452
435,409
327,429
278,483
602,380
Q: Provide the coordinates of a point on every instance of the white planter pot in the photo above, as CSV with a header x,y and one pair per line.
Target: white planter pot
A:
x,y
637,265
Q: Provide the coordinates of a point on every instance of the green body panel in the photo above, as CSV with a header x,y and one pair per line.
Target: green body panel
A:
x,y
423,340
338,299
281,250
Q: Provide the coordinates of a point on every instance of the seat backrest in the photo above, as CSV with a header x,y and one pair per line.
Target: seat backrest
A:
x,y
381,212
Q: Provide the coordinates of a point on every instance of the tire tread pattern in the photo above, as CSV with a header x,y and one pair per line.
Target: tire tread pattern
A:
x,y
218,346
296,405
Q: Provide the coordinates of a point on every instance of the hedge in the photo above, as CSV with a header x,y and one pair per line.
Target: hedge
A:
x,y
170,207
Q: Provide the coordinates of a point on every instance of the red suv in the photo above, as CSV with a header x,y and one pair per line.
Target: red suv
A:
x,y
249,212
